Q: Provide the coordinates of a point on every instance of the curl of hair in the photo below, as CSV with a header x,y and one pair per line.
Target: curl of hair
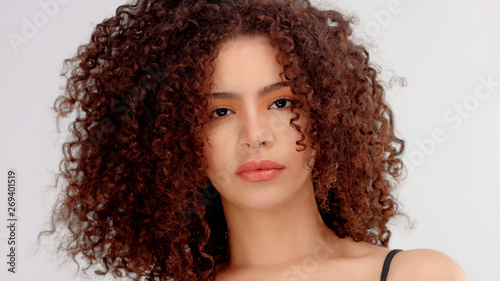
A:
x,y
136,200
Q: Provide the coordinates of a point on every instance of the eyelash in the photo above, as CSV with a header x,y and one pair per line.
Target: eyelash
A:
x,y
289,103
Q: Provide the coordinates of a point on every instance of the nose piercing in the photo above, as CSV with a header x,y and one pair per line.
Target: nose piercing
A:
x,y
260,145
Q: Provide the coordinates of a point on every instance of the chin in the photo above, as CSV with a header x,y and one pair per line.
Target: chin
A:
x,y
263,196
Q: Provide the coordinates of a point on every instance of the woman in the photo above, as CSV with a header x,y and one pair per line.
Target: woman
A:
x,y
232,140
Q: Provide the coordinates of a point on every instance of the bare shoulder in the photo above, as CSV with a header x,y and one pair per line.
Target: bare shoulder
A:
x,y
425,264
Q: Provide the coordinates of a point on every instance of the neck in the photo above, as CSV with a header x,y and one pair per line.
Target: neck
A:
x,y
279,236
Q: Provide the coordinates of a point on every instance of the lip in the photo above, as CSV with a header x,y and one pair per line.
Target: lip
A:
x,y
259,170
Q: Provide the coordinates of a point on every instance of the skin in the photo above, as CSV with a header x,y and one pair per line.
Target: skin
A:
x,y
275,230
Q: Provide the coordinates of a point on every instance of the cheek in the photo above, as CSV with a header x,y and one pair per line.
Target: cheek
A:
x,y
214,172
220,162
213,154
221,168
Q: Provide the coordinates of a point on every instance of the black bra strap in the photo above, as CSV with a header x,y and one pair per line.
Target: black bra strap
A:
x,y
387,264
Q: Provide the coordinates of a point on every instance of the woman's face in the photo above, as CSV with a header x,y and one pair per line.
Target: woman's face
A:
x,y
249,105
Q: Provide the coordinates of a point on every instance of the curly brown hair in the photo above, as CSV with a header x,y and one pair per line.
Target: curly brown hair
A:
x,y
136,199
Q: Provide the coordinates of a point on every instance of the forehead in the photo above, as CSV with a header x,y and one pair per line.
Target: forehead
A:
x,y
245,63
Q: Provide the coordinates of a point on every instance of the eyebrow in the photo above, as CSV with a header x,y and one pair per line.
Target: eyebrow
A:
x,y
261,92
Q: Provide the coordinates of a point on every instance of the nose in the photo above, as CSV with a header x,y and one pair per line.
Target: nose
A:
x,y
256,132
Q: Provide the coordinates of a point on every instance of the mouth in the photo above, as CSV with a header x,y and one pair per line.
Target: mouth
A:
x,y
256,171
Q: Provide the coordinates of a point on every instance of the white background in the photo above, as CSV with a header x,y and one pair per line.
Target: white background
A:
x,y
444,49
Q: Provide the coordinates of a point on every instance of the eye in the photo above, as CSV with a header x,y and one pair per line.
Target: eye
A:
x,y
281,103
220,112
